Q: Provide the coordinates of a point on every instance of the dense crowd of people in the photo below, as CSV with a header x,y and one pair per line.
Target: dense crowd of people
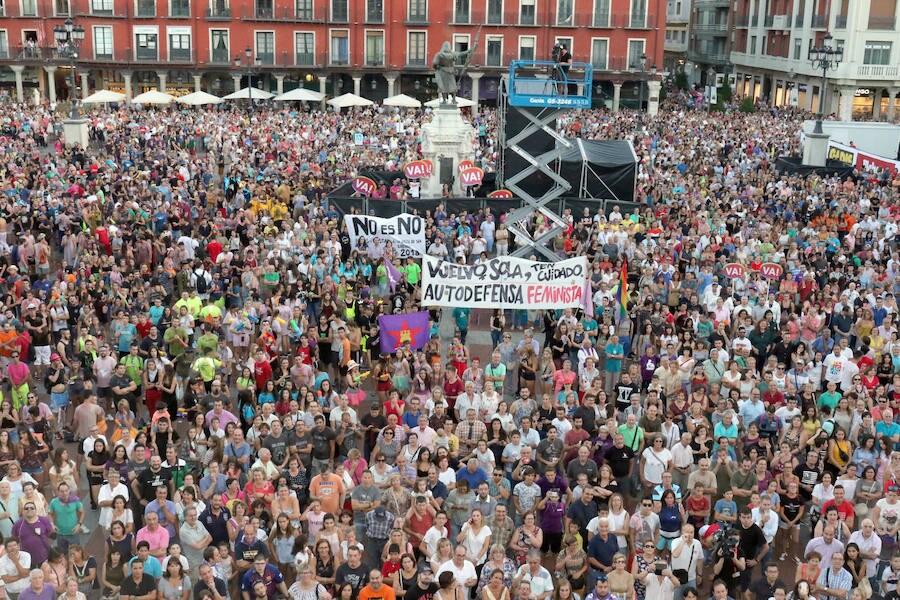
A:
x,y
190,348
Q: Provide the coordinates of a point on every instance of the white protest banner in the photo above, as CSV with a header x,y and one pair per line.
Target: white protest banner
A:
x,y
504,282
405,231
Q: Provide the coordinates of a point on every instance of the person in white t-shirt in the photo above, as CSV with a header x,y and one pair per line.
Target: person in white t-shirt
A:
x,y
107,492
655,460
687,555
463,570
435,533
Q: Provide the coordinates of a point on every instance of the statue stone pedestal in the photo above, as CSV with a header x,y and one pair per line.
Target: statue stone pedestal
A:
x,y
815,149
446,141
76,132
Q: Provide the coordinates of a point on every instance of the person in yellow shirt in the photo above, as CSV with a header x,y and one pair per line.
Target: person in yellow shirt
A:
x,y
194,304
206,366
183,301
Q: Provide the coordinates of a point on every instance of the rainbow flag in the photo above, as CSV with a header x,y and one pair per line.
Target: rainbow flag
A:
x,y
622,292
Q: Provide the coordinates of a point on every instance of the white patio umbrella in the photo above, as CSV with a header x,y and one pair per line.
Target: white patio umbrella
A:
x,y
198,99
153,97
104,97
301,94
460,102
245,94
403,101
347,100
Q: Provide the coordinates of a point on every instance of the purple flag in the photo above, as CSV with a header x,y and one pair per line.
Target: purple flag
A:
x,y
398,329
587,302
393,275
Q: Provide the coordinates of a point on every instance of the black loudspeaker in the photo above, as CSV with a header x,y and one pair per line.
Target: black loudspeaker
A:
x,y
535,144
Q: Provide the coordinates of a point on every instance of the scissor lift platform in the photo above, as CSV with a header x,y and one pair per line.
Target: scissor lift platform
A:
x,y
544,84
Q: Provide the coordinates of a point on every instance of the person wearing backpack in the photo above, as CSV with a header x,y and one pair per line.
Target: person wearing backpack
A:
x,y
202,281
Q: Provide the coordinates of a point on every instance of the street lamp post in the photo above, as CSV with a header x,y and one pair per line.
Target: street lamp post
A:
x,y
643,65
68,38
248,52
826,58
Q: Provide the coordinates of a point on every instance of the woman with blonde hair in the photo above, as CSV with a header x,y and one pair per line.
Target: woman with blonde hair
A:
x,y
442,554
621,582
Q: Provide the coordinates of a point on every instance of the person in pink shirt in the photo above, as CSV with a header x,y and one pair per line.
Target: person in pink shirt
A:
x,y
19,378
564,376
153,534
225,417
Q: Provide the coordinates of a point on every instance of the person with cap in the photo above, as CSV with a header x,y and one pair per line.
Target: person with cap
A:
x,y
379,523
425,586
600,590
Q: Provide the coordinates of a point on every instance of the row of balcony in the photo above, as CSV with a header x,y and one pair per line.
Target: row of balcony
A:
x,y
708,58
781,21
846,70
269,60
306,11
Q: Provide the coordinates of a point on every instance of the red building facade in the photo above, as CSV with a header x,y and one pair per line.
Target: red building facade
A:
x,y
374,47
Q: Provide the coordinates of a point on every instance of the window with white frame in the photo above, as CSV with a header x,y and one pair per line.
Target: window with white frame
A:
x,y
340,47
303,9
417,11
877,53
600,53
103,42
265,47
374,11
98,7
494,51
374,48
635,50
416,48
305,48
340,11
179,46
526,47
638,13
495,12
527,12
601,13
218,48
565,13
146,46
461,11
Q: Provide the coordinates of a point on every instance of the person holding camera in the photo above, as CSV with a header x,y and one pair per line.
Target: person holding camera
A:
x,y
730,562
661,583
564,62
